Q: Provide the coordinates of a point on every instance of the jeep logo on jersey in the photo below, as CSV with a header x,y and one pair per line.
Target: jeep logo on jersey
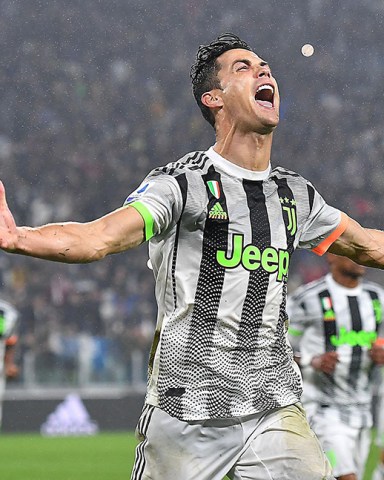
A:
x,y
353,338
252,258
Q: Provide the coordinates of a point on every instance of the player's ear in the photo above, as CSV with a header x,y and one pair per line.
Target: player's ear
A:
x,y
212,99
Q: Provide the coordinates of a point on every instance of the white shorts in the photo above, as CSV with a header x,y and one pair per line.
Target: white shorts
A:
x,y
274,445
347,447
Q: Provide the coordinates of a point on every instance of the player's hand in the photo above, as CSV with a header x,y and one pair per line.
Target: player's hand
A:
x,y
326,362
377,354
8,229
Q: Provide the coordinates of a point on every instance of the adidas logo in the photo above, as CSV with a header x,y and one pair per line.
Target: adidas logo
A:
x,y
217,213
69,418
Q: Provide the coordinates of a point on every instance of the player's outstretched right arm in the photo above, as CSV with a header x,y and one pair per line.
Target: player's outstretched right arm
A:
x,y
72,242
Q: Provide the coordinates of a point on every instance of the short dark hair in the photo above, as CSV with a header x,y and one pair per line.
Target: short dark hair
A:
x,y
204,70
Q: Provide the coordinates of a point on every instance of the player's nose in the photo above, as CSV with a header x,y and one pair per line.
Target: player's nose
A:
x,y
264,72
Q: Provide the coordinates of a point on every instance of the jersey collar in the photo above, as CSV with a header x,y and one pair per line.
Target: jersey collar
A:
x,y
234,170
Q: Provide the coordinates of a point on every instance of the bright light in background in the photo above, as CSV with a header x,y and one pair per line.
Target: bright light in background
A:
x,y
307,50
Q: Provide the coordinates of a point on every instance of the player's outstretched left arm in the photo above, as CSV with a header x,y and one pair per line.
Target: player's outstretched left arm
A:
x,y
72,242
362,245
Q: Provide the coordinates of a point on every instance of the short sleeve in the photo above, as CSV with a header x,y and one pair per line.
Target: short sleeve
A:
x,y
323,226
159,201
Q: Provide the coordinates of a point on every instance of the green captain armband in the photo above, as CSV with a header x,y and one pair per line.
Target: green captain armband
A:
x,y
147,217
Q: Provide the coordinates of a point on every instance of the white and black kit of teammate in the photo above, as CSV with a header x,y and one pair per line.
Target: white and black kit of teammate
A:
x,y
336,327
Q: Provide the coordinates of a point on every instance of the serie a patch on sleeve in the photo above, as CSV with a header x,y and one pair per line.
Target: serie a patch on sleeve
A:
x,y
137,194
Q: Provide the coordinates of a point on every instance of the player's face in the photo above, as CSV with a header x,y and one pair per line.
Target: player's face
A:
x,y
249,93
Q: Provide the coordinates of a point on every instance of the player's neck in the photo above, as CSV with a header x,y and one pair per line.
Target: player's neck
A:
x,y
250,151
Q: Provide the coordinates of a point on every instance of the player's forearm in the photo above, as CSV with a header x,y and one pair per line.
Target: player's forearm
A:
x,y
61,242
73,242
377,253
371,254
362,245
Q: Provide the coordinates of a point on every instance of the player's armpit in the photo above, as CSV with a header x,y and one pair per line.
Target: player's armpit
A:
x,y
362,245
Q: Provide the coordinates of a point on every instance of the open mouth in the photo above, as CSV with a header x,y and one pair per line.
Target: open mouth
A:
x,y
264,95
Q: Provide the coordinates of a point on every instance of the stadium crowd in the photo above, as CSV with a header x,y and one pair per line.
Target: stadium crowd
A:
x,y
94,94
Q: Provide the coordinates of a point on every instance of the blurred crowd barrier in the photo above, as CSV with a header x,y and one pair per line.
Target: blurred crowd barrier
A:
x,y
82,361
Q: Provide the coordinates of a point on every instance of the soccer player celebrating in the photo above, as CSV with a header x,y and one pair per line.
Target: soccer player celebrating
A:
x,y
334,327
223,391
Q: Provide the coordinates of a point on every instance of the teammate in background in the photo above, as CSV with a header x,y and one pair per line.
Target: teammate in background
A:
x,y
8,340
224,391
334,324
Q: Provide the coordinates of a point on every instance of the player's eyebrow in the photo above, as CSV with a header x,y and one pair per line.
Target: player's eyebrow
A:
x,y
249,63
242,60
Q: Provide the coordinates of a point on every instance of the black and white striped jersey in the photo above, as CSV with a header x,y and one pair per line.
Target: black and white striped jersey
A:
x,y
221,240
325,316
